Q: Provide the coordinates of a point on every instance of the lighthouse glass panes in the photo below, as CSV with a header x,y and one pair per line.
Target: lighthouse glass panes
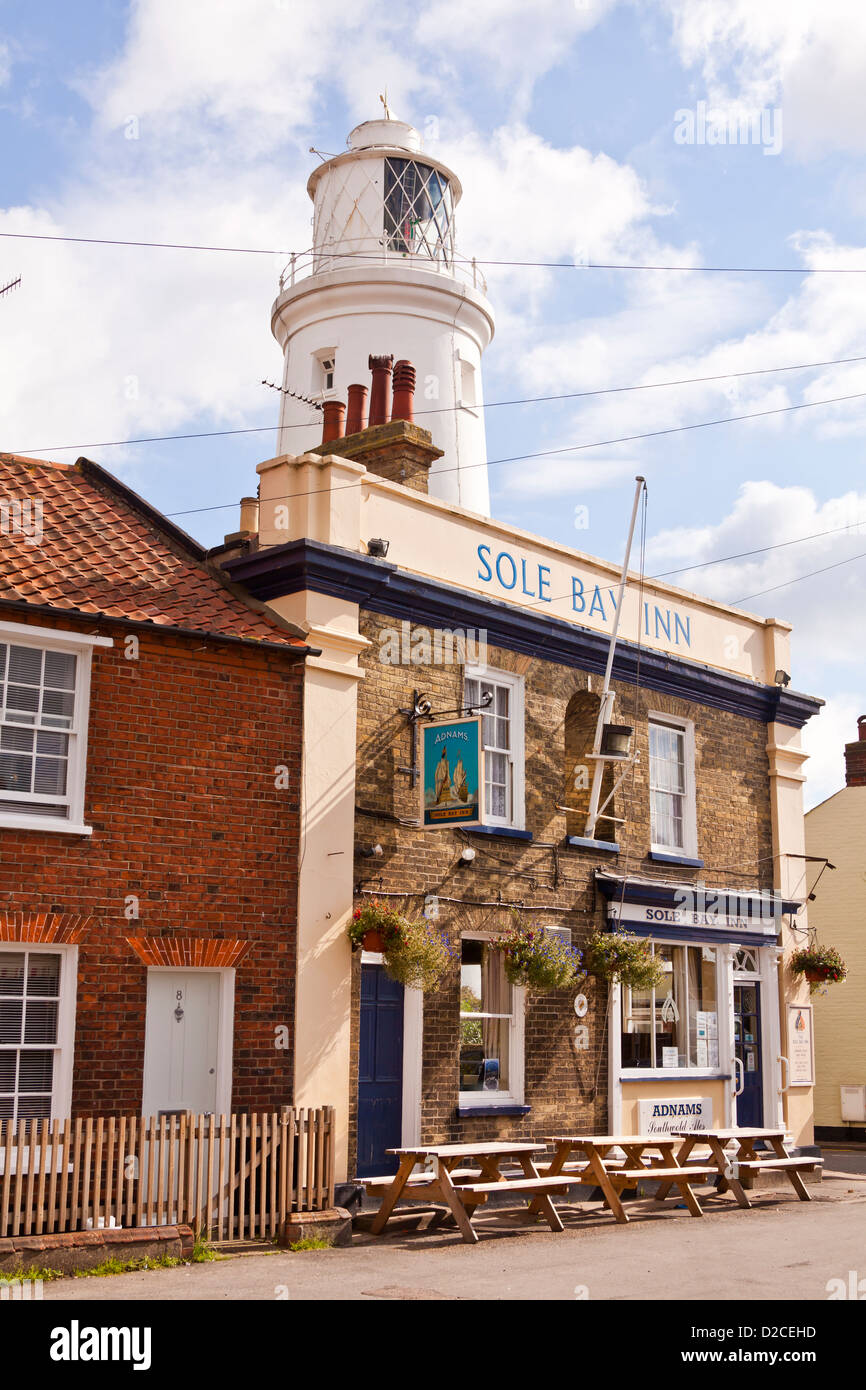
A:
x,y
37,708
419,212
29,1019
675,1024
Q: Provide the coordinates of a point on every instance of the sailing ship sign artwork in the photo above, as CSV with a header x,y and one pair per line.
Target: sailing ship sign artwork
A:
x,y
452,773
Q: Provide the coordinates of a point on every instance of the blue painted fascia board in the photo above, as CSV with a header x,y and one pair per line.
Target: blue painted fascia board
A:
x,y
379,586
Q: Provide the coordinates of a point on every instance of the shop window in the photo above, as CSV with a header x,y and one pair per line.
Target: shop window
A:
x,y
675,1025
35,1037
491,1027
43,714
672,786
502,737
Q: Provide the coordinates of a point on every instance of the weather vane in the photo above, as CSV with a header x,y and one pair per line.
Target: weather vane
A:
x,y
384,101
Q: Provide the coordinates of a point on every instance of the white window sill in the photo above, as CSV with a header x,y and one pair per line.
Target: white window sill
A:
x,y
673,1074
9,821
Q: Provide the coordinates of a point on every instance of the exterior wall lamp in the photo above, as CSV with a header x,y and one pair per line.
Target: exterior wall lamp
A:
x,y
378,547
616,740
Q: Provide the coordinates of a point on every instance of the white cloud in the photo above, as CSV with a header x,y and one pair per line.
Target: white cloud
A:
x,y
516,42
824,740
808,57
826,610
563,478
5,64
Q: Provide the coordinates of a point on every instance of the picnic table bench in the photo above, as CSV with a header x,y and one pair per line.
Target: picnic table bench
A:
x,y
464,1188
646,1156
745,1159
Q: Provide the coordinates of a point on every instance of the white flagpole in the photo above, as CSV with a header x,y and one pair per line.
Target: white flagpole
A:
x,y
607,695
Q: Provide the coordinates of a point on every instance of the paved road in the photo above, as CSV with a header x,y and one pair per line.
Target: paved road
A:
x,y
782,1248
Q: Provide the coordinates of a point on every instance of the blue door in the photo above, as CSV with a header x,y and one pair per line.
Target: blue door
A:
x,y
747,1048
380,1072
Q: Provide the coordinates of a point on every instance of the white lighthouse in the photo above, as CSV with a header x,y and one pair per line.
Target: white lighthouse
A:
x,y
384,277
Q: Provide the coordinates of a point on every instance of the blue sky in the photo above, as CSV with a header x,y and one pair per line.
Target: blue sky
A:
x,y
176,120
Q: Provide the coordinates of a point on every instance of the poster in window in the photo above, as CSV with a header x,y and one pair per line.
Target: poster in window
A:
x,y
452,773
800,1055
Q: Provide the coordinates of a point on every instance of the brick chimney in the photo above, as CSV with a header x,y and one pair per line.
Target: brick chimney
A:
x,y
396,448
855,757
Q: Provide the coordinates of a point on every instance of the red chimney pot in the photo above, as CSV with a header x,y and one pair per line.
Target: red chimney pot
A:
x,y
356,415
333,421
380,395
404,392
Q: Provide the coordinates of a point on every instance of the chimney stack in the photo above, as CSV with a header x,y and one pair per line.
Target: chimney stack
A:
x,y
855,757
333,421
404,392
391,444
380,395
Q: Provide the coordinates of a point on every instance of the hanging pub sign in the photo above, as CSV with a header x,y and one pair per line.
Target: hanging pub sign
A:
x,y
452,773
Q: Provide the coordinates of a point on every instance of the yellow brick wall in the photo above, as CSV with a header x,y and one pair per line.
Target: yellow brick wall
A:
x,y
837,829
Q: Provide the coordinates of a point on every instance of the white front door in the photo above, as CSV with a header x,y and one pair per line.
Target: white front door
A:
x,y
184,1052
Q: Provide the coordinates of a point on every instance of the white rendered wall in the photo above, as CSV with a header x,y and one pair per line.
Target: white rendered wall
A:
x,y
436,322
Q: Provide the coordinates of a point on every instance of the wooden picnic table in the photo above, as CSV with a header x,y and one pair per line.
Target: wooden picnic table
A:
x,y
745,1159
463,1176
646,1156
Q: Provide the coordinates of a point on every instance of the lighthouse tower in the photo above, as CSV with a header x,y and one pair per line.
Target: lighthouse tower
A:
x,y
384,278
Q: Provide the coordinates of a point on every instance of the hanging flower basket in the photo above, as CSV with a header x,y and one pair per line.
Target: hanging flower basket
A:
x,y
536,959
821,965
414,953
372,926
618,956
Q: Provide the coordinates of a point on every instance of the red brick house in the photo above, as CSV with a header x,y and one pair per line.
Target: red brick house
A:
x,y
150,746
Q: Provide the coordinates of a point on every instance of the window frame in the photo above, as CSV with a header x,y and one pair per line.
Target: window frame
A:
x,y
321,390
81,646
516,754
689,847
516,1043
660,1073
61,1081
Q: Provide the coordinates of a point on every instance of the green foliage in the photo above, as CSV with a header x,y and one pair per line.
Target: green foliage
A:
x,y
310,1243
616,955
820,964
20,1275
202,1251
417,955
115,1266
374,917
537,960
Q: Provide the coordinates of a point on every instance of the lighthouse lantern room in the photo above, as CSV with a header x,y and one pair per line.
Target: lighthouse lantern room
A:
x,y
384,278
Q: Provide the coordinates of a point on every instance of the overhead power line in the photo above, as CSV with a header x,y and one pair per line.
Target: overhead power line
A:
x,y
525,400
576,264
597,391
544,453
735,603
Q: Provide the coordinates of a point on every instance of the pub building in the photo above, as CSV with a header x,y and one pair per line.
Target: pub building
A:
x,y
371,534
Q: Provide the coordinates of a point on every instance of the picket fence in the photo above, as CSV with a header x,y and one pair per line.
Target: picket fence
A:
x,y
229,1177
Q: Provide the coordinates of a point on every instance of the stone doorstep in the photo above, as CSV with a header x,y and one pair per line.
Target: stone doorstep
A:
x,y
71,1250
334,1225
